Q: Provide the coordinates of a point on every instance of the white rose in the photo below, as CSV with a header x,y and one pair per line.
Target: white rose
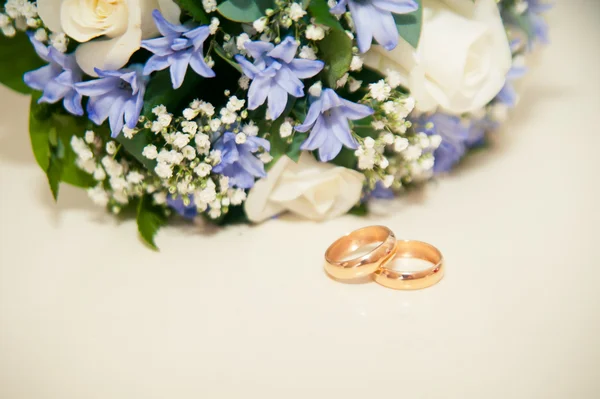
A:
x,y
461,61
309,188
118,25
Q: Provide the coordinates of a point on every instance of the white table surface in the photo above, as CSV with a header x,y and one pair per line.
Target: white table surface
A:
x,y
87,311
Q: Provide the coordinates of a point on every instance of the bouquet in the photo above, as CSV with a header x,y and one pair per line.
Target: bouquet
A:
x,y
239,110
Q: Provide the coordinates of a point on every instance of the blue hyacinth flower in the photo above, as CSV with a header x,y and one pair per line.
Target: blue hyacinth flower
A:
x,y
508,95
275,73
179,48
238,161
117,96
327,119
374,19
57,79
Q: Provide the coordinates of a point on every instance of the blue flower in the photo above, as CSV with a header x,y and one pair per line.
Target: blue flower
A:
x,y
179,47
187,211
238,161
381,192
57,79
539,27
374,19
328,118
116,95
508,94
275,74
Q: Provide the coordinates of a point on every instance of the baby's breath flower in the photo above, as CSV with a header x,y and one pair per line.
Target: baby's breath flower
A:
x,y
380,91
296,12
307,53
150,151
315,32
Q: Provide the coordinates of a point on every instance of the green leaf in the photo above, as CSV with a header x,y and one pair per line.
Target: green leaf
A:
x,y
244,10
409,25
50,132
54,174
319,10
195,9
136,144
359,209
336,50
150,218
17,56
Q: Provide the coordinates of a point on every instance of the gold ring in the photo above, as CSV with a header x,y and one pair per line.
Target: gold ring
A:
x,y
416,280
378,244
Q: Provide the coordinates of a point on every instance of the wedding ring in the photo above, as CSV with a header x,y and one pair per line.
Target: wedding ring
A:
x,y
343,261
415,280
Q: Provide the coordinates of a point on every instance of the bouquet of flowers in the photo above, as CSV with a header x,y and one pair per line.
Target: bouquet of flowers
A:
x,y
243,109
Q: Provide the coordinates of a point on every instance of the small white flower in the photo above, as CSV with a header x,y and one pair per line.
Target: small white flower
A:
x,y
175,157
214,157
208,194
316,89
369,142
9,31
387,181
228,117
214,25
388,138
4,20
265,157
209,5
98,195
129,133
341,82
112,167
135,177
356,64
203,169
235,104
159,110
59,41
244,82
206,108
400,144
190,127
314,32
260,24
427,162
393,78
202,140
423,140
118,183
88,165
240,138
160,198
241,41
384,163
150,151
389,107
286,129
412,153
165,119
378,125
189,152
181,140
190,113
237,196
214,213
41,35
99,174
214,124
380,91
164,170
435,141
354,84
296,11
223,183
307,53
111,147
250,129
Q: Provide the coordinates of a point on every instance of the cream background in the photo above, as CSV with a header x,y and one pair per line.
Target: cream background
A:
x,y
86,311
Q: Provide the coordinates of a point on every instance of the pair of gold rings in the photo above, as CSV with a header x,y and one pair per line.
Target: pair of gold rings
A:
x,y
380,247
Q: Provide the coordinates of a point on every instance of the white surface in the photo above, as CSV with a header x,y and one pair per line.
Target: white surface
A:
x,y
86,311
